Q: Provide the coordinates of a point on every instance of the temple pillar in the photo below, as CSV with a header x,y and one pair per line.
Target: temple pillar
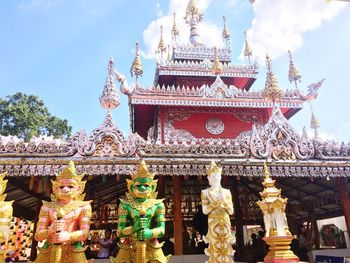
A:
x,y
344,195
178,249
240,248
161,186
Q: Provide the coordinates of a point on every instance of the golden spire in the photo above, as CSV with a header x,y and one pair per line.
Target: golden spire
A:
x,y
161,45
247,50
174,30
272,91
225,33
193,10
217,66
293,74
193,17
270,190
136,67
315,124
214,169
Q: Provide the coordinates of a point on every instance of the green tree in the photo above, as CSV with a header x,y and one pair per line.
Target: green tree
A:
x,y
26,116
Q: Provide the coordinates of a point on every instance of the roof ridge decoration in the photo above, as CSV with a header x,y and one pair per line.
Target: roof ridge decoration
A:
x,y
219,90
278,140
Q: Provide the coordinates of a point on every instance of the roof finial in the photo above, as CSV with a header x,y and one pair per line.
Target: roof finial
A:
x,y
161,45
315,124
174,30
247,50
109,98
193,17
272,91
136,67
225,33
293,74
217,66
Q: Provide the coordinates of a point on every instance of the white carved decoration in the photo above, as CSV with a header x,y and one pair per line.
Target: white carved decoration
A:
x,y
214,126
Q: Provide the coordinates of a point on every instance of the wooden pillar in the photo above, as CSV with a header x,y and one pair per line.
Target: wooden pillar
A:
x,y
178,249
240,248
161,186
344,195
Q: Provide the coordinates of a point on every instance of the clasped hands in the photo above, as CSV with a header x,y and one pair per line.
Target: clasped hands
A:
x,y
141,228
56,232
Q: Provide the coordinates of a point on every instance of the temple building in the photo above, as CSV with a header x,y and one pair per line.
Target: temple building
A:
x,y
200,108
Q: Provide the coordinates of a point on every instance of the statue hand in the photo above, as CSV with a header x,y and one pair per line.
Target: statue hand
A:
x,y
61,237
143,222
144,234
136,227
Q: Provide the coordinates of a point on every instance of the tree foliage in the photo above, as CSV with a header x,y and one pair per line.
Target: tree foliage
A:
x,y
27,116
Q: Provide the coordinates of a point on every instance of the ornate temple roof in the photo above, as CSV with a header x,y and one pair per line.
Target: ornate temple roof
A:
x,y
106,151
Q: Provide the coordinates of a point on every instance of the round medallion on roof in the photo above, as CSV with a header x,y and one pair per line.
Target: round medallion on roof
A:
x,y
214,125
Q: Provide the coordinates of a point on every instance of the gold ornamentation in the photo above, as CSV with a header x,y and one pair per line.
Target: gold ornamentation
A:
x,y
66,209
142,172
272,91
214,169
42,234
156,232
136,67
217,66
70,173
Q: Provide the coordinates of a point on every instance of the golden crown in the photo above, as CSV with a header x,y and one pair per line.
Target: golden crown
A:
x,y
142,172
70,173
214,169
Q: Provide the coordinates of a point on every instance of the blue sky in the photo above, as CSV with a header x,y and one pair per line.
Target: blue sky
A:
x,y
59,50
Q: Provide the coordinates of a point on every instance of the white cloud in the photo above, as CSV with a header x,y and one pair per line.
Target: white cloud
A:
x,y
209,33
28,5
279,25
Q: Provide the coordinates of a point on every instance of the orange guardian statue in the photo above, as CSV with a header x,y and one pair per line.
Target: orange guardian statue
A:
x,y
65,221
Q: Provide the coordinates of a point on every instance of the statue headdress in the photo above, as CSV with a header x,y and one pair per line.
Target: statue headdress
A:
x,y
3,184
69,173
142,172
214,169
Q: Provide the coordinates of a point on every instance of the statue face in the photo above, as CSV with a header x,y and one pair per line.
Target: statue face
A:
x,y
214,179
67,189
142,187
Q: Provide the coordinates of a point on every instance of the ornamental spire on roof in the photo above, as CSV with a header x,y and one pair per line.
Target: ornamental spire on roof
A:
x,y
109,98
193,17
217,66
225,33
136,67
161,46
247,50
174,30
272,91
315,124
293,74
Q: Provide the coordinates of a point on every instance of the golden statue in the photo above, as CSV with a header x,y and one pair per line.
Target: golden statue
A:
x,y
141,221
65,221
277,234
5,215
217,204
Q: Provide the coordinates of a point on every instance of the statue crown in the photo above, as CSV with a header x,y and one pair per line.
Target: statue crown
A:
x,y
142,172
214,169
70,173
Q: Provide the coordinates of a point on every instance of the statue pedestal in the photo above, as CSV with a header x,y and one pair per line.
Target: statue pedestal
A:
x,y
279,251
